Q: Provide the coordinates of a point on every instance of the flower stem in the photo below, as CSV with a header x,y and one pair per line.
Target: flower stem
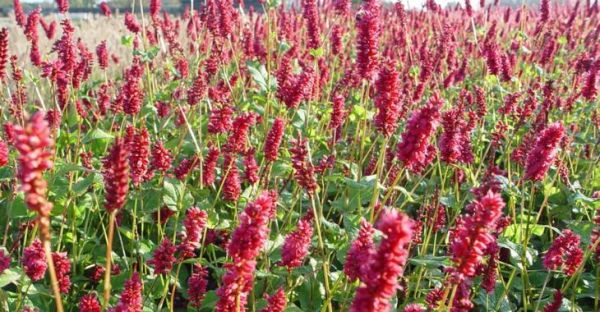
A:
x,y
53,279
111,234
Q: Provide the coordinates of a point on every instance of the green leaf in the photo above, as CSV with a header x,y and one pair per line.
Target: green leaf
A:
x,y
431,261
9,277
97,134
127,40
81,186
17,208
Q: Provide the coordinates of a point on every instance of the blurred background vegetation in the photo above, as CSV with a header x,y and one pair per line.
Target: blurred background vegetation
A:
x,y
6,6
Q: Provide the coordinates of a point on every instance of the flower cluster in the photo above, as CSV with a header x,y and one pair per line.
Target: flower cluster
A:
x,y
161,158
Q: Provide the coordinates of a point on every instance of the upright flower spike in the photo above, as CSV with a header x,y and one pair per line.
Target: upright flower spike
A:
x,y
273,140
297,244
367,38
3,52
304,171
63,6
35,147
338,114
102,55
161,158
131,298
544,151
139,156
89,303
387,100
360,251
194,223
231,178
163,258
386,265
556,302
116,176
245,245
131,23
3,153
544,10
20,16
105,9
276,302
4,261
209,166
311,13
250,166
63,268
34,261
414,150
472,235
564,253
197,285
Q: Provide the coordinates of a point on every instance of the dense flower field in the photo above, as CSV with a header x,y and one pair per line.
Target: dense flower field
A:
x,y
324,156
